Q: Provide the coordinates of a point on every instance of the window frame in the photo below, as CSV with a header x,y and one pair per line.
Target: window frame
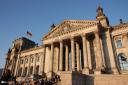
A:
x,y
119,43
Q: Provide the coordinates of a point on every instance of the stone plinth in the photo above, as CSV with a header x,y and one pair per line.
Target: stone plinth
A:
x,y
72,78
107,80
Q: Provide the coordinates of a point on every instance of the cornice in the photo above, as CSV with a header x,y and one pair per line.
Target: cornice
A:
x,y
120,29
32,49
120,26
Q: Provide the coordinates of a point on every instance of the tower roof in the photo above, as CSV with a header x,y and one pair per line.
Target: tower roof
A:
x,y
99,8
100,11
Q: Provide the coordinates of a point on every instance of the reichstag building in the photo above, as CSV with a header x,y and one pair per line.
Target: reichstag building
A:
x,y
75,52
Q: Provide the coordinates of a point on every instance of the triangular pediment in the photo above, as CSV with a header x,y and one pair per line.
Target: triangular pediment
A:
x,y
69,25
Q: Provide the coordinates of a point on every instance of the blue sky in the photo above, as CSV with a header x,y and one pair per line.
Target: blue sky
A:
x,y
19,16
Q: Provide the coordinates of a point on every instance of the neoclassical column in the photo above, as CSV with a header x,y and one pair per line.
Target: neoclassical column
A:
x,y
99,57
73,54
51,57
111,53
102,50
28,65
126,42
78,56
43,59
89,55
66,60
34,64
17,65
40,63
47,59
58,52
86,67
61,56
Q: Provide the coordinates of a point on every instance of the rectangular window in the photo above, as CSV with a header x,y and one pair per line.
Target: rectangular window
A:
x,y
119,43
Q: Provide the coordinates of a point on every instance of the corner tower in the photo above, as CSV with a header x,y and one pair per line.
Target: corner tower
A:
x,y
101,17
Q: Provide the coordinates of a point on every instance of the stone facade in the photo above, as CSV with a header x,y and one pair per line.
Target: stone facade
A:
x,y
81,52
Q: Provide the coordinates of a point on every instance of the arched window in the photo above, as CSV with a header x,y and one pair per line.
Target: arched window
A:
x,y
123,62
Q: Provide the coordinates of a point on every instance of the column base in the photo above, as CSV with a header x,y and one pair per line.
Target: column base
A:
x,y
58,73
85,71
115,71
49,75
97,72
74,69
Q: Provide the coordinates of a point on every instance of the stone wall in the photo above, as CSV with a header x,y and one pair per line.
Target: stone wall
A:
x,y
72,78
107,80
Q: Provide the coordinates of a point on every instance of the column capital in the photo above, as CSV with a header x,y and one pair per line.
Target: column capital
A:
x,y
83,34
52,43
96,32
44,45
61,40
72,37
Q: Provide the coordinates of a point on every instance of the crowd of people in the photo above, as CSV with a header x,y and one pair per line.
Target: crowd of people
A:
x,y
43,81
